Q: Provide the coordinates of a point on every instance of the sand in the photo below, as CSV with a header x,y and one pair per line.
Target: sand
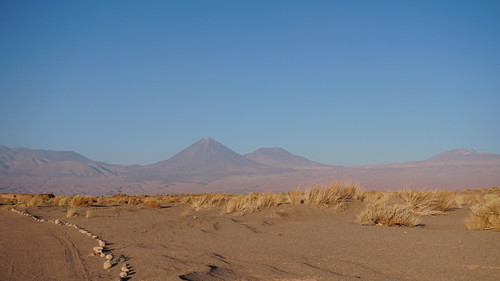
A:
x,y
291,242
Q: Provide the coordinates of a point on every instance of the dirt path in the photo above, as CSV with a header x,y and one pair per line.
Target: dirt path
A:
x,y
43,251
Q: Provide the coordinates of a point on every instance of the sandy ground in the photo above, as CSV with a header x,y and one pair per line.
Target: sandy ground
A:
x,y
296,243
43,251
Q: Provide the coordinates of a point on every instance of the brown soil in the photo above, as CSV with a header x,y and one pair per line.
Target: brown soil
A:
x,y
284,243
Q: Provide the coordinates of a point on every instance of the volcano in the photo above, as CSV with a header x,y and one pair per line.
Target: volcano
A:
x,y
207,155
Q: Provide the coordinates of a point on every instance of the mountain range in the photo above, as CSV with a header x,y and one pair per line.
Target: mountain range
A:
x,y
209,166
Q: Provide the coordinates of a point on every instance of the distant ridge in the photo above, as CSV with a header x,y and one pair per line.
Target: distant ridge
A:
x,y
463,155
209,166
48,163
279,157
20,153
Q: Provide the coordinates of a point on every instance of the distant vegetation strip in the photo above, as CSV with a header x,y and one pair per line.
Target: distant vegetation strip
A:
x,y
402,208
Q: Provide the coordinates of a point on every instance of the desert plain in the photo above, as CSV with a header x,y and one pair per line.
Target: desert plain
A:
x,y
336,232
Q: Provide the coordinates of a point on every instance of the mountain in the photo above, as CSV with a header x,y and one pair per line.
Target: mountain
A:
x,y
279,157
205,160
47,163
209,166
206,155
463,155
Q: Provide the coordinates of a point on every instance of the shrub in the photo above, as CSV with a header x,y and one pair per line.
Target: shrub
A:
x,y
389,215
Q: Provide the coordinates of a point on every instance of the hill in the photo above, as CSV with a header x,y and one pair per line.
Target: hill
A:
x,y
463,155
279,157
209,166
47,163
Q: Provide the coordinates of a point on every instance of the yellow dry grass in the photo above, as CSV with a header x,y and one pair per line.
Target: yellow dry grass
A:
x,y
81,201
208,200
335,195
485,215
89,213
72,212
34,202
151,202
254,202
61,200
428,203
388,215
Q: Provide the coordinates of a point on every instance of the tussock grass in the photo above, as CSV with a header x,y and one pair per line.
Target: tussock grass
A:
x,y
467,199
6,201
34,202
119,199
428,203
388,215
254,202
295,197
208,200
6,207
72,212
81,201
377,196
151,202
61,200
186,212
485,215
89,213
335,195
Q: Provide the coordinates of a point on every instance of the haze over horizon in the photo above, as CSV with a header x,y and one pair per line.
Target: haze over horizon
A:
x,y
338,82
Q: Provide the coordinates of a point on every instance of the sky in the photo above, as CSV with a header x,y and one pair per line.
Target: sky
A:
x,y
339,82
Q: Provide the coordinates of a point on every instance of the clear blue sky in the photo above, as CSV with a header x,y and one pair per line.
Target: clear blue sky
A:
x,y
340,82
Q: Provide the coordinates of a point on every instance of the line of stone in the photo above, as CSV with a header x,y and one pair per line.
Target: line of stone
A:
x,y
100,250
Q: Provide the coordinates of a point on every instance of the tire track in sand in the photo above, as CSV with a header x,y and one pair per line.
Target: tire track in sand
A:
x,y
71,254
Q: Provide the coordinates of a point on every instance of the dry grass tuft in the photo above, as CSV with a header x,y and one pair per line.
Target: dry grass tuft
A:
x,y
72,212
6,201
151,202
89,213
253,202
186,212
208,200
485,214
389,215
428,203
61,200
377,196
81,201
467,199
335,195
6,207
34,202
295,197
